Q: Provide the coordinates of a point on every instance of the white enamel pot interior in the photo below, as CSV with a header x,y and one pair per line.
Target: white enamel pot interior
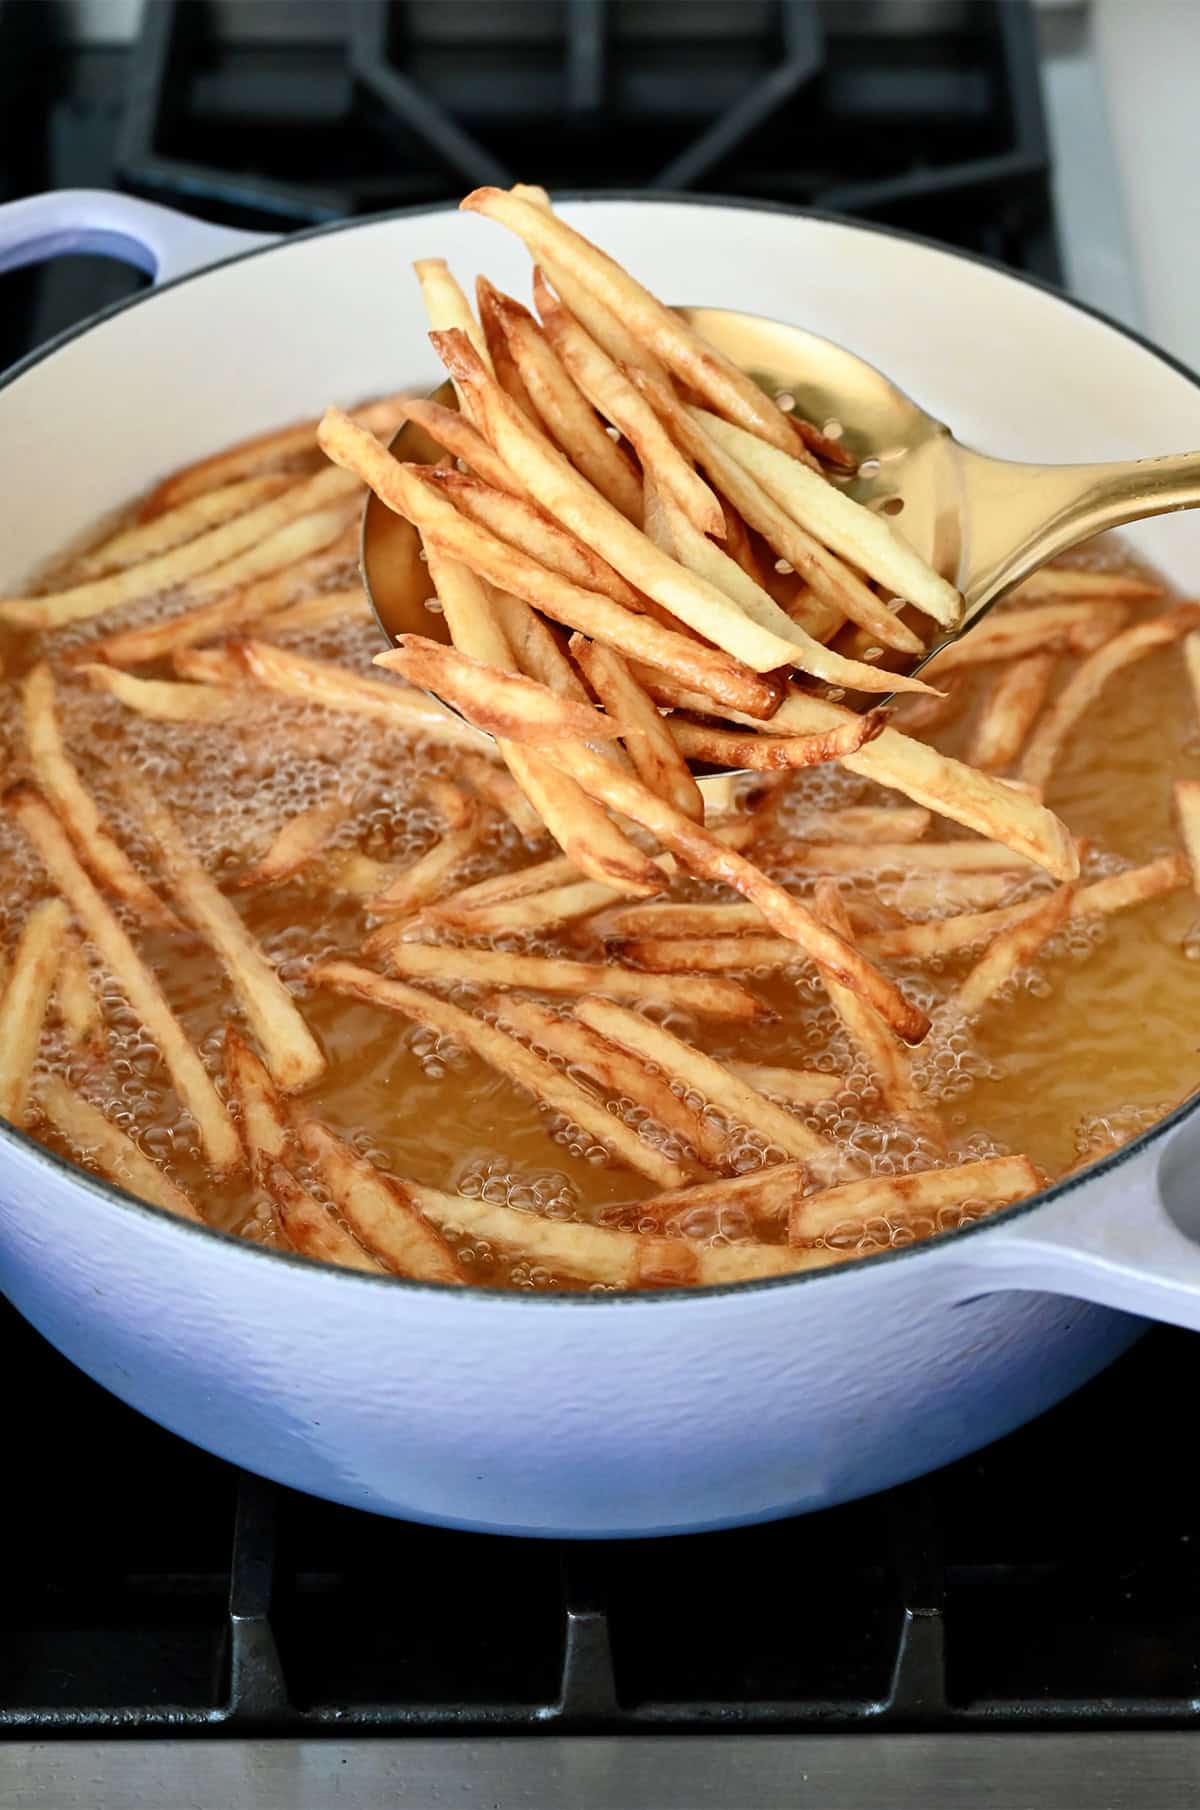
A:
x,y
576,1416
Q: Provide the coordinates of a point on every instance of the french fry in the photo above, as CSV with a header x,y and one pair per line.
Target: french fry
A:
x,y
524,525
796,1086
1069,581
317,531
921,716
243,537
995,1182
540,911
174,526
739,546
538,652
1187,809
349,604
522,882
26,998
60,783
509,1057
622,403
211,666
707,955
1009,711
162,699
615,1070
252,604
700,853
564,413
264,452
887,1059
608,330
857,534
292,1054
335,688
357,875
310,1228
657,761
762,1195
1088,681
296,843
187,1071
377,1211
76,997
558,247
454,433
266,1128
1117,892
775,753
905,857
447,306
1010,951
858,823
504,703
499,789
556,974
1191,656
427,878
504,367
102,1145
1058,628
665,919
731,1096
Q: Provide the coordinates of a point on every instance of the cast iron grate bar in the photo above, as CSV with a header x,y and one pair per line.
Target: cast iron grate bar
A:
x,y
589,1691
257,1687
918,1688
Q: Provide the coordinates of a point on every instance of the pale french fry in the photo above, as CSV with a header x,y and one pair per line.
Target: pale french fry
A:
x,y
253,604
700,853
1117,892
359,876
264,452
796,1086
1058,628
60,783
265,1126
310,1228
887,1059
858,823
76,997
296,843
607,329
762,1195
739,546
183,523
427,878
905,857
565,414
1009,711
377,1211
1088,681
499,789
349,604
921,716
1010,951
245,537
162,699
616,1071
211,666
556,974
26,998
292,1053
102,1145
447,306
521,883
769,753
1067,581
509,1057
524,525
120,958
335,688
504,703
657,761
504,365
858,534
454,433
522,916
622,403
900,1199
317,531
1191,656
731,1096
1187,809
707,955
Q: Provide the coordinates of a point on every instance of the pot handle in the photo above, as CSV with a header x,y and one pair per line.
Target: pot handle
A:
x,y
1128,1239
155,239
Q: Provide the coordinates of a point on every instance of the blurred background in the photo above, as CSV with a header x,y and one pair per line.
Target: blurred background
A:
x,y
1055,135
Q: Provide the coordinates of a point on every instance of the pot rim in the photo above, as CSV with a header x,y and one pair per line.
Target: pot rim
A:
x,y
331,1276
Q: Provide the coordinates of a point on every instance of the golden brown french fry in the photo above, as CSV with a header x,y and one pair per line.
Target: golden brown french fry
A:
x,y
1009,710
700,853
622,403
796,1086
75,995
265,1126
174,526
455,434
769,753
292,1053
1069,581
538,652
446,305
1191,656
761,1195
521,523
499,789
648,741
503,364
60,783
1059,628
252,604
728,1093
311,1228
264,452
336,688
616,1071
504,703
564,413
243,538
1187,809
1117,892
296,843
162,699
346,605
102,1145
608,330
378,1211
509,1057
1010,951
427,878
26,998
120,958
556,974
1088,681
995,1182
